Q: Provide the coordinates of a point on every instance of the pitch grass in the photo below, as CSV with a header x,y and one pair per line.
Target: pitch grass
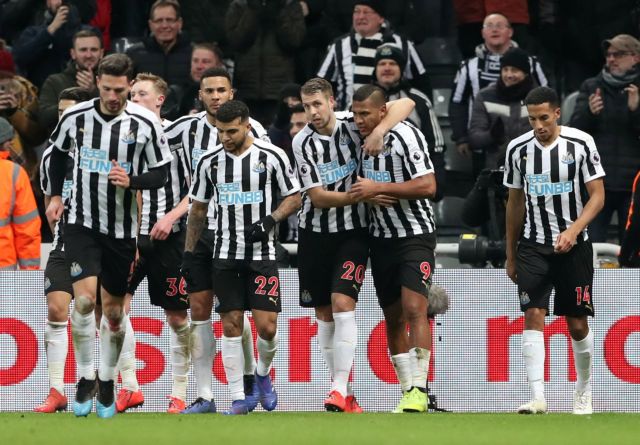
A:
x,y
319,428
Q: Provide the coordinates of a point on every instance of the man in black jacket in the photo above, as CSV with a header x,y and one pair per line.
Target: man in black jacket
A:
x,y
166,52
607,108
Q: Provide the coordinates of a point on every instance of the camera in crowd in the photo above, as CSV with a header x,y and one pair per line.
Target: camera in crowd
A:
x,y
485,207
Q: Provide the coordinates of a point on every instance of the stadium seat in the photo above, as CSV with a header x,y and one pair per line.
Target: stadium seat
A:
x,y
441,97
441,58
447,213
568,104
122,44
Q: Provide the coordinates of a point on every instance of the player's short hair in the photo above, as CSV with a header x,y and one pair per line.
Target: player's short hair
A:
x,y
231,110
317,85
369,91
217,71
297,108
209,46
162,3
158,82
84,33
116,65
76,94
541,95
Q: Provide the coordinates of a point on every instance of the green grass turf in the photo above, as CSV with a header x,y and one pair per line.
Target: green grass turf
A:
x,y
320,428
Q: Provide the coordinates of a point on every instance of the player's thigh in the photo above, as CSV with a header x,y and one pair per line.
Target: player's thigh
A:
x,y
263,286
533,269
167,287
384,264
315,263
573,281
117,257
350,263
230,277
82,252
56,274
201,269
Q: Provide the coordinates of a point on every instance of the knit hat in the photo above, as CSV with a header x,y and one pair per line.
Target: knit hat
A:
x,y
390,51
6,60
623,42
376,5
517,58
6,130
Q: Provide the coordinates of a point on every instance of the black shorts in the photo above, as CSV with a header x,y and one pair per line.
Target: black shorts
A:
x,y
92,254
56,274
246,284
398,262
540,270
331,263
160,262
202,263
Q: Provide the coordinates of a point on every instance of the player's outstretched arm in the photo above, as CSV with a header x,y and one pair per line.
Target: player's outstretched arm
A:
x,y
514,222
325,199
288,205
397,111
567,239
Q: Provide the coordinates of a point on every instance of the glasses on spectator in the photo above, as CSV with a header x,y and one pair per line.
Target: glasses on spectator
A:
x,y
498,26
168,21
617,54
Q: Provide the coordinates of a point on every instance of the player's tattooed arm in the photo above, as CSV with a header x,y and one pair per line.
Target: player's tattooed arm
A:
x,y
195,224
288,205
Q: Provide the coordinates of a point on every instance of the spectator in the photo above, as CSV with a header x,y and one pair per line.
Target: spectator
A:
x,y
478,72
166,52
43,49
203,57
315,42
278,132
406,17
470,15
499,114
204,21
607,108
388,75
102,22
349,64
19,220
264,35
80,72
19,105
16,15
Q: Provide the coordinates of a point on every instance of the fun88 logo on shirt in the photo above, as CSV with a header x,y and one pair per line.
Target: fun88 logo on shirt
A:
x,y
97,161
231,193
371,173
332,172
541,185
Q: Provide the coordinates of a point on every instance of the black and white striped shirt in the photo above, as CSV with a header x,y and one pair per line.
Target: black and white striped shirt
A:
x,y
331,162
553,179
473,75
405,156
193,136
134,139
244,190
45,185
350,62
156,203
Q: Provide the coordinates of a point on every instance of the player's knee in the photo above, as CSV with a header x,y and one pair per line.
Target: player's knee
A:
x,y
57,310
84,304
415,309
113,314
232,325
267,331
177,319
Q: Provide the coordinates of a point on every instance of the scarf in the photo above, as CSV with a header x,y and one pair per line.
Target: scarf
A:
x,y
517,92
619,82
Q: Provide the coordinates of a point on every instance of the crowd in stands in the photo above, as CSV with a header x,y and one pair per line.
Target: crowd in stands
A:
x,y
270,47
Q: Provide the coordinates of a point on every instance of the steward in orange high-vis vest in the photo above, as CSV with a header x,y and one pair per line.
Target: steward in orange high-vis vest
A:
x,y
19,218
